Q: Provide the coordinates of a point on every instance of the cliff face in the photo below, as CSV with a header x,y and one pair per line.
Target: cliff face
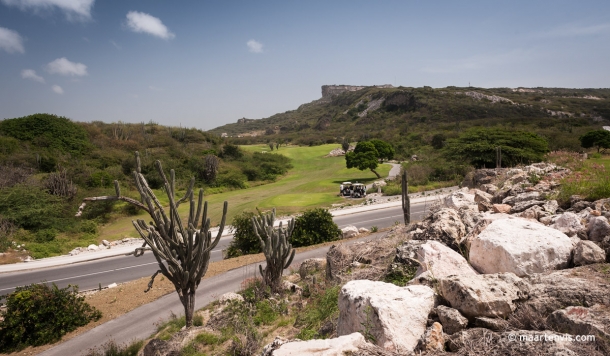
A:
x,y
329,91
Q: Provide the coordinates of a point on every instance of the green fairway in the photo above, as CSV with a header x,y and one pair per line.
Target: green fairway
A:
x,y
312,182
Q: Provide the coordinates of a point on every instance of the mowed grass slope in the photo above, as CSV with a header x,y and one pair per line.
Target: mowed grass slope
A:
x,y
312,182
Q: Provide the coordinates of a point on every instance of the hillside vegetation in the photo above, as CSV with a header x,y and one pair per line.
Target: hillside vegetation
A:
x,y
50,163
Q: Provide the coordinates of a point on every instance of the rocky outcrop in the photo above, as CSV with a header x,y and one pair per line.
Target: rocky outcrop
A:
x,y
581,321
568,223
311,265
519,246
489,295
451,319
445,226
598,228
588,253
329,347
395,316
438,261
349,232
460,198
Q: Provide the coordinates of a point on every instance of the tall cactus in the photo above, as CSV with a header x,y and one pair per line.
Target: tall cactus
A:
x,y
182,250
276,247
406,201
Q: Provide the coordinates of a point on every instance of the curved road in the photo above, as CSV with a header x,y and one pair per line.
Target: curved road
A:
x,y
119,269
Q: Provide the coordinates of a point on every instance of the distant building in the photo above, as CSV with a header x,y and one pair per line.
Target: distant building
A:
x,y
606,128
224,134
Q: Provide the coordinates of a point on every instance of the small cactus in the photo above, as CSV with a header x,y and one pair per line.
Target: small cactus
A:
x,y
276,247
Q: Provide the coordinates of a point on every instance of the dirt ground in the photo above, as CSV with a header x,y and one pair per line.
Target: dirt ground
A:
x,y
114,302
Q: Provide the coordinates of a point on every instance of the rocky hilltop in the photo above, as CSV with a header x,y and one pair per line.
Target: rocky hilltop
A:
x,y
409,117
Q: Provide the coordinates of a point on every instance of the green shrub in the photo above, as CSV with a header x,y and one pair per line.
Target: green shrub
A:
x,y
40,314
88,227
45,235
244,239
478,146
321,308
45,130
30,207
314,226
265,313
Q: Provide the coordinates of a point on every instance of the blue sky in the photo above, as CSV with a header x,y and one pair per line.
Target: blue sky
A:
x,y
207,63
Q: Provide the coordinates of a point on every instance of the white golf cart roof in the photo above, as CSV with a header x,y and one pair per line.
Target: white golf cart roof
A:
x,y
346,183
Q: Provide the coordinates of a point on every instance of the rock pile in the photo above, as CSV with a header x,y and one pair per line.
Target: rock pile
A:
x,y
492,269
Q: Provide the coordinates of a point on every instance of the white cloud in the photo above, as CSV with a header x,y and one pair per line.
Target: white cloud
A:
x,y
145,23
11,41
73,9
31,74
57,89
65,67
255,46
576,30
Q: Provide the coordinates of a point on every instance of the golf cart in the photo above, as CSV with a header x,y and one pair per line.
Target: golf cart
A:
x,y
353,190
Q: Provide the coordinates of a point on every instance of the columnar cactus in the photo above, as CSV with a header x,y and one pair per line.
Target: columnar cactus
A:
x,y
185,248
406,201
276,247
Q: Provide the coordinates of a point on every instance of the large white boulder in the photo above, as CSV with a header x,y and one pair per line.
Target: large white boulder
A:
x,y
438,261
519,246
329,347
395,316
349,232
568,223
460,198
487,295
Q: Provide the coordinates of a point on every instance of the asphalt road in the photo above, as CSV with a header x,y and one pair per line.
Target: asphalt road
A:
x,y
140,322
92,274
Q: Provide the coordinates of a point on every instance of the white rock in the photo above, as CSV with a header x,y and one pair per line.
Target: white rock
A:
x,y
112,285
460,198
349,232
598,228
438,261
230,296
92,247
481,196
105,243
568,223
488,295
512,200
395,316
340,346
587,253
519,246
75,252
363,230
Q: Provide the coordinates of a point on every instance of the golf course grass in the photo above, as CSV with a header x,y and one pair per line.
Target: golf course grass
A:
x,y
312,182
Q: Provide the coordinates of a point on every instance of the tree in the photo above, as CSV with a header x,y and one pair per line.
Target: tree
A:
x,y
182,250
599,139
244,238
438,141
345,144
385,150
478,146
367,155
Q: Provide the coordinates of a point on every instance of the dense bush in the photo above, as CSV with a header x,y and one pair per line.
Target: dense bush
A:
x,y
244,239
40,314
478,146
314,226
30,207
44,130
